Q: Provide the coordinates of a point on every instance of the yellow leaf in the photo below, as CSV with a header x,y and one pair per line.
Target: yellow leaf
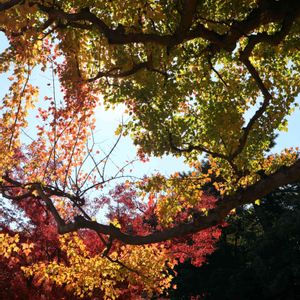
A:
x,y
257,202
35,193
205,211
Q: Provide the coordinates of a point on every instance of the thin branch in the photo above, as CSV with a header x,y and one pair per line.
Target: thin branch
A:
x,y
125,266
285,175
218,74
121,74
18,109
71,156
267,98
96,166
55,143
110,152
191,148
108,180
31,138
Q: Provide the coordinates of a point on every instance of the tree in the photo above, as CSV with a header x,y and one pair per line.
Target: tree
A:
x,y
188,71
257,255
85,265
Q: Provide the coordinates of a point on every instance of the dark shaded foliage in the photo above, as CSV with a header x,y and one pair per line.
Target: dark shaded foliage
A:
x,y
258,255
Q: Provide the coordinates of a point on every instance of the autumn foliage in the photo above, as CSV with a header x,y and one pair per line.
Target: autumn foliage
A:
x,y
46,265
217,78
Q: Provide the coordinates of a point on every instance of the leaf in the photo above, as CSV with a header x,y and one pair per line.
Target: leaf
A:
x,y
35,193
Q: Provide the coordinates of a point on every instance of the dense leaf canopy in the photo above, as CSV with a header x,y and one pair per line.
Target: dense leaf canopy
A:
x,y
197,77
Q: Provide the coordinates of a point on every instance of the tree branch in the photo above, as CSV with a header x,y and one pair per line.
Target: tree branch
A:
x,y
9,4
266,12
186,16
283,176
267,98
190,148
264,37
50,206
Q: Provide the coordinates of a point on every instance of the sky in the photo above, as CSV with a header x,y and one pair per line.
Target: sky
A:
x,y
108,120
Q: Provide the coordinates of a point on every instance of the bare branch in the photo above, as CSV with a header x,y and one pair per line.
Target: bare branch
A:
x,y
285,175
71,156
18,109
218,74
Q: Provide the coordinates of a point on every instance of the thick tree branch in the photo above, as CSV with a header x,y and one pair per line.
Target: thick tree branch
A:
x,y
285,11
50,206
266,12
48,189
187,15
285,175
264,37
273,39
6,195
9,4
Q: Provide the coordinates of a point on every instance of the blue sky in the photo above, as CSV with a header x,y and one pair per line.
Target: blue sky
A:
x,y
107,121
